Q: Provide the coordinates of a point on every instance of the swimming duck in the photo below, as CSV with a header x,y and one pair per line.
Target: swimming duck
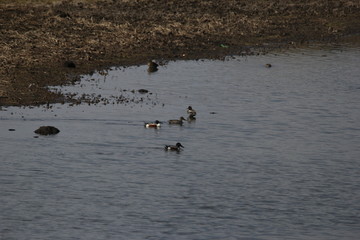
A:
x,y
155,124
176,147
191,111
152,66
177,121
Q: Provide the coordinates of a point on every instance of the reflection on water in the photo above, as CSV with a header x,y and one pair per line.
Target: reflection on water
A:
x,y
273,154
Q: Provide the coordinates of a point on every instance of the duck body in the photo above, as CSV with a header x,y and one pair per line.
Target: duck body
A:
x,y
191,118
155,124
176,147
177,121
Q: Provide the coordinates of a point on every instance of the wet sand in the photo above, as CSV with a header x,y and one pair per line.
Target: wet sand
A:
x,y
46,43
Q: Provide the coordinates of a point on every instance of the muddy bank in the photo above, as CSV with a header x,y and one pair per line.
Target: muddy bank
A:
x,y
51,42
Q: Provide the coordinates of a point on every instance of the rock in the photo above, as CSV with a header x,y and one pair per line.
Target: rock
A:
x,y
143,91
62,14
268,65
69,64
47,130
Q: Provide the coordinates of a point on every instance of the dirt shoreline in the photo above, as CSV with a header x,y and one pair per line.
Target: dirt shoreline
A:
x,y
47,43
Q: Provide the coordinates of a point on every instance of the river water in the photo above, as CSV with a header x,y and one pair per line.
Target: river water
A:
x,y
273,154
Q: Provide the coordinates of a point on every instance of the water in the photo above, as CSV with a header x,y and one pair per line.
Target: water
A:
x,y
279,159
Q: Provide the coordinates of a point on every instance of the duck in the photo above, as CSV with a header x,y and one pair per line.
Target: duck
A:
x,y
177,121
176,147
152,66
155,124
191,111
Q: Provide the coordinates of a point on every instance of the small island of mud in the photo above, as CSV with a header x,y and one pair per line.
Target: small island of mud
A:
x,y
49,42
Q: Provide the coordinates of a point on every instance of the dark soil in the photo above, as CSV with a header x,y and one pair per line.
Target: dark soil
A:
x,y
52,43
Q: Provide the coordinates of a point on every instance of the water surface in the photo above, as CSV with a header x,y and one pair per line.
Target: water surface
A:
x,y
273,154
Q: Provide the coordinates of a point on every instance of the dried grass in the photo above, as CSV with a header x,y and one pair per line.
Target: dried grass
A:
x,y
37,36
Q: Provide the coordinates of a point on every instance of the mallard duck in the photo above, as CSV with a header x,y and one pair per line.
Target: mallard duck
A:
x,y
155,124
177,121
176,147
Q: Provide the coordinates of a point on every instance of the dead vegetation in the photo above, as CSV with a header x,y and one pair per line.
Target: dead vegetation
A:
x,y
37,37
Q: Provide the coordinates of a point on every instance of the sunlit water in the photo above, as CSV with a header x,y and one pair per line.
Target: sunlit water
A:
x,y
274,154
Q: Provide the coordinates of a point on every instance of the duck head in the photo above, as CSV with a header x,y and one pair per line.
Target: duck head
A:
x,y
179,145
